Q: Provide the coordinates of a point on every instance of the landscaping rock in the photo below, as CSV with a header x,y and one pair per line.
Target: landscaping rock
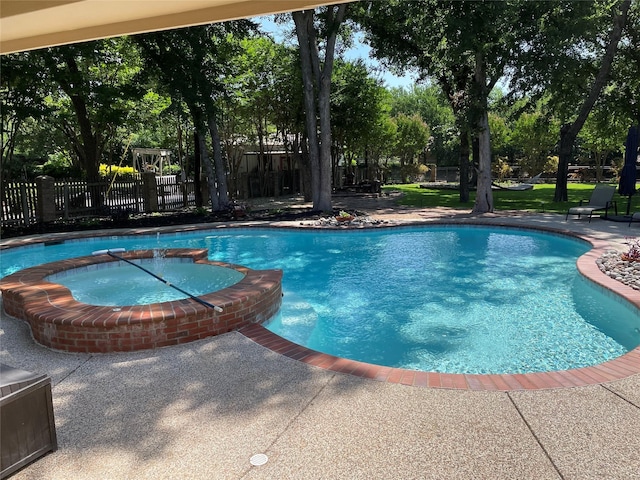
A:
x,y
623,271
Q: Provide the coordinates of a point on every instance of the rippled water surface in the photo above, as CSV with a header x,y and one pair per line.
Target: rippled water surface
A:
x,y
446,299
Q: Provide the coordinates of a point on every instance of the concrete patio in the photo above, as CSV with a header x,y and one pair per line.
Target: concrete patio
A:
x,y
202,410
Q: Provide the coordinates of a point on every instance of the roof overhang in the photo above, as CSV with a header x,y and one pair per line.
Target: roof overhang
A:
x,y
32,24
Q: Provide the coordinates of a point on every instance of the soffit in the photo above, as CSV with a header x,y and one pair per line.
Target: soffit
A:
x,y
31,24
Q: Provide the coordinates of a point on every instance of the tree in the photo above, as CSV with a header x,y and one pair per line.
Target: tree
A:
x,y
569,131
262,68
435,110
289,116
411,141
623,93
603,136
357,104
533,139
465,47
22,88
192,63
570,59
95,92
316,77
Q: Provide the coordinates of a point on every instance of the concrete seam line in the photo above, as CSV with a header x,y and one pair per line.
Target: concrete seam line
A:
x,y
619,395
534,435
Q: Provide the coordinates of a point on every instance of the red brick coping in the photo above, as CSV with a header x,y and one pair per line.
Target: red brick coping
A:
x,y
60,322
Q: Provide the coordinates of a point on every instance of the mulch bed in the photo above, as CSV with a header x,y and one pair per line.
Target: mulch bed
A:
x,y
159,220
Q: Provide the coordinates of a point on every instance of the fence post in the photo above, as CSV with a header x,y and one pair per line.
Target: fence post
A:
x,y
46,199
150,192
26,217
67,200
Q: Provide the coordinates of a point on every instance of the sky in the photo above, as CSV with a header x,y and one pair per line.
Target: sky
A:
x,y
359,50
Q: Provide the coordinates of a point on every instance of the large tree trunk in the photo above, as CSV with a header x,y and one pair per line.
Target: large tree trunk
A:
x,y
89,145
569,132
567,139
306,40
317,91
456,91
484,195
324,104
464,166
304,164
197,171
475,161
89,151
208,168
220,168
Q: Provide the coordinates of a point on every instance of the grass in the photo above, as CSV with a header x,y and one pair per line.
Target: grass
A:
x,y
539,199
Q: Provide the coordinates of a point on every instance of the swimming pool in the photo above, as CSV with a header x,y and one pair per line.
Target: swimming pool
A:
x,y
446,299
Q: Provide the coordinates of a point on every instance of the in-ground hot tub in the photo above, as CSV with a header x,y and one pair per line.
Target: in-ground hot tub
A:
x,y
59,321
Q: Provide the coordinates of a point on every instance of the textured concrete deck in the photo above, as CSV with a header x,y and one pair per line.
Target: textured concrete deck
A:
x,y
201,410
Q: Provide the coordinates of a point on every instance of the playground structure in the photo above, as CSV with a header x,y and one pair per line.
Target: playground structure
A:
x,y
151,159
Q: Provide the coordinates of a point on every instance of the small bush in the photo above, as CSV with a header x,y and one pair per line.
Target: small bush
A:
x,y
60,166
109,171
634,249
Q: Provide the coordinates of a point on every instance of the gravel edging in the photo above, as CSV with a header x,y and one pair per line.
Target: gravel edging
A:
x,y
612,264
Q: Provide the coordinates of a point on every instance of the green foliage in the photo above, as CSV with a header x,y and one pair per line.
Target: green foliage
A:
x,y
433,107
501,169
412,137
500,135
171,170
564,55
130,97
534,138
201,211
60,165
357,107
551,165
603,136
21,90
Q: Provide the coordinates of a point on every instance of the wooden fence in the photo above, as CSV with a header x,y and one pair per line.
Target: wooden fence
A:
x,y
18,202
79,199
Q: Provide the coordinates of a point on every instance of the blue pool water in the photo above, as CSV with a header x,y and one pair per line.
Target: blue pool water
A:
x,y
119,284
446,299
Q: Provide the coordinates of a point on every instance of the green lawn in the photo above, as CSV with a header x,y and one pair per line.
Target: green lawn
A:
x,y
539,199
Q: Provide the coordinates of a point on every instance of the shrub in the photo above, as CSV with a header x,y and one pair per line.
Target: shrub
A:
x,y
501,169
634,249
60,166
108,171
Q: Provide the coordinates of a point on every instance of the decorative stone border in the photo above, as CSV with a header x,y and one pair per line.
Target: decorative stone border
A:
x,y
60,322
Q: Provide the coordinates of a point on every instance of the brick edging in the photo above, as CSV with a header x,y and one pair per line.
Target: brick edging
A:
x,y
616,369
60,322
